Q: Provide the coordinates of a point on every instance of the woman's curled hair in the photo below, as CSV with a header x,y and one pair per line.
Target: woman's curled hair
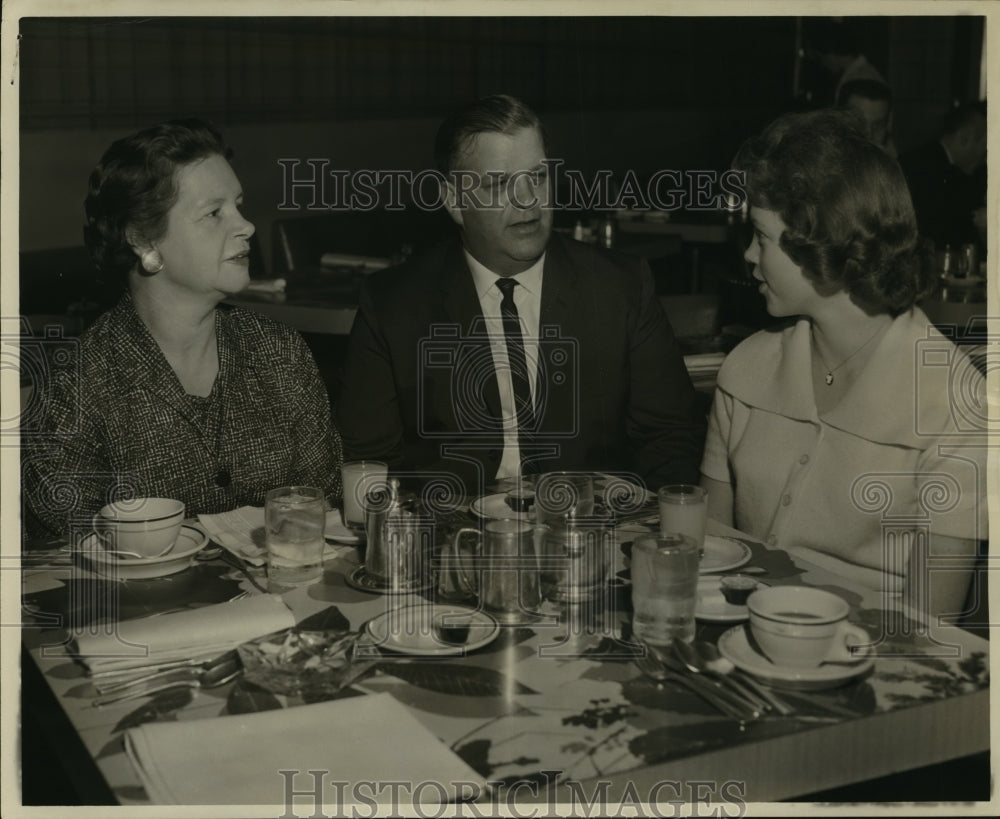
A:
x,y
849,217
133,187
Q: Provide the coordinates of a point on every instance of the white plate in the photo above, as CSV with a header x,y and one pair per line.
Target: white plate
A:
x,y
735,647
408,630
712,604
190,541
494,507
722,554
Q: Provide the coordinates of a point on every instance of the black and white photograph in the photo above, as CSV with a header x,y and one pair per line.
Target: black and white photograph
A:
x,y
497,409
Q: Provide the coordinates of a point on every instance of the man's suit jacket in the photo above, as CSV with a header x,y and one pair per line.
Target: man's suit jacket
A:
x,y
419,388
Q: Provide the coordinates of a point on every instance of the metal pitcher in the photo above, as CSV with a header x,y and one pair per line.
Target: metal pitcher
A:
x,y
399,539
577,559
503,569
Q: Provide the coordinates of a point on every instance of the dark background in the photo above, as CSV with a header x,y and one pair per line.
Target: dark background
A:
x,y
640,93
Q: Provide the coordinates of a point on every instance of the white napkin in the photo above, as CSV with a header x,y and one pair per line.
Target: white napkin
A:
x,y
235,760
369,263
154,641
241,531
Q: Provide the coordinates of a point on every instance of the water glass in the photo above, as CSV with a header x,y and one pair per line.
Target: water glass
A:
x,y
358,478
294,518
684,510
664,588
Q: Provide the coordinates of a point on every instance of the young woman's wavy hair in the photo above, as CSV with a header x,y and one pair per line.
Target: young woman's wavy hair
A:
x,y
133,187
849,217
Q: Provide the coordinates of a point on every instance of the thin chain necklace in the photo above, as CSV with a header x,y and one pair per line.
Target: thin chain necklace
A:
x,y
828,378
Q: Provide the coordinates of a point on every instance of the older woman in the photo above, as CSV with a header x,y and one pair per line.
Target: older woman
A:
x,y
174,395
842,431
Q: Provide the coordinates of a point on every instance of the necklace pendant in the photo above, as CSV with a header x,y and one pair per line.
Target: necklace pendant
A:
x,y
829,379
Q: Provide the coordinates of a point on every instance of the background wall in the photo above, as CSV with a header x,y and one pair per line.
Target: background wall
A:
x,y
634,93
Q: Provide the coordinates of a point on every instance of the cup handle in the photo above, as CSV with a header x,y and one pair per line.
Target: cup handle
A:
x,y
466,582
847,635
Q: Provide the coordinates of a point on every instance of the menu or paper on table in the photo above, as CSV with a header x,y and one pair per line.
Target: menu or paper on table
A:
x,y
237,760
241,531
160,640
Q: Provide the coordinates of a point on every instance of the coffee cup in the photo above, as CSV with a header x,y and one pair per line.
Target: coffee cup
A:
x,y
142,527
802,627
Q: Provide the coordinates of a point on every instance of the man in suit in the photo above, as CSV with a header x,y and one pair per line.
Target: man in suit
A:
x,y
512,350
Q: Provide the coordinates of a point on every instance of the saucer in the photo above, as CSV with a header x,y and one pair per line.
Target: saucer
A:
x,y
361,580
722,554
189,542
407,630
494,507
735,646
713,606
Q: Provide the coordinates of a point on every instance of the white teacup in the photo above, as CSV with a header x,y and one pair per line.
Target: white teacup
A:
x,y
802,627
141,526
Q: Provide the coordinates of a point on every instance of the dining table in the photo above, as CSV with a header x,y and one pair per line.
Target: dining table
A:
x,y
553,709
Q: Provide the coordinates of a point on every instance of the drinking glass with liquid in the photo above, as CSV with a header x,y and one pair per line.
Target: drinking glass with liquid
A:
x,y
294,519
664,588
684,510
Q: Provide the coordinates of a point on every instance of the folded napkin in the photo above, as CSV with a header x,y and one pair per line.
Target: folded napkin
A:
x,y
155,641
237,760
353,260
241,531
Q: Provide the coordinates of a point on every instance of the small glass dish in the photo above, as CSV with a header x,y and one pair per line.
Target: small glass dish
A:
x,y
736,588
520,500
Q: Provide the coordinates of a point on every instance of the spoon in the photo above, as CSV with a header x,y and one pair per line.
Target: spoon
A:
x,y
714,661
653,667
693,661
211,677
119,553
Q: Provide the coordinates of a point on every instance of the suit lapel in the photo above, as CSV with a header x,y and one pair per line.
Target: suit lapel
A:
x,y
144,366
558,315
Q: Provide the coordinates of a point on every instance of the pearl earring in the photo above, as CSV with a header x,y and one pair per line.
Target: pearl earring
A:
x,y
152,263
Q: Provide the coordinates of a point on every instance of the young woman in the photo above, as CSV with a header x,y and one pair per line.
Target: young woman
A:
x,y
841,431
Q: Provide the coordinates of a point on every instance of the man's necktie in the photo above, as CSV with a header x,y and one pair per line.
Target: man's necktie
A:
x,y
518,364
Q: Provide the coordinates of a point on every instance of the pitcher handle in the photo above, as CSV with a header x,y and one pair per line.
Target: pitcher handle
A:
x,y
466,581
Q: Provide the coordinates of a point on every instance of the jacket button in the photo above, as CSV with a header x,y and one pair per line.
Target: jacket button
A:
x,y
804,459
772,540
786,500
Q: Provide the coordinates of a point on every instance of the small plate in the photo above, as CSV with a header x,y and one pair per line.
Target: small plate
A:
x,y
361,580
494,507
735,646
408,630
713,606
338,532
190,541
722,554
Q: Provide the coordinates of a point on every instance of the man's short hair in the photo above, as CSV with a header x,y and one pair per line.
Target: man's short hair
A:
x,y
963,116
867,88
500,113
